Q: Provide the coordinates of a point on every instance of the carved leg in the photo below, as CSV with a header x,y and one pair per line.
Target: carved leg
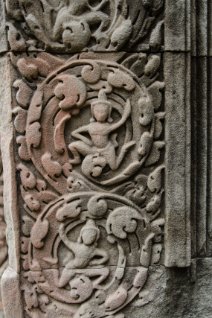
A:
x,y
66,276
77,148
123,152
101,274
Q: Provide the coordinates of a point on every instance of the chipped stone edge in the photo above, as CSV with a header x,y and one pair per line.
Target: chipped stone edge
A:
x,y
10,279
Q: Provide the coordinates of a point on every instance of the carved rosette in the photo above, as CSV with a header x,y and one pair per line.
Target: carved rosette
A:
x,y
88,135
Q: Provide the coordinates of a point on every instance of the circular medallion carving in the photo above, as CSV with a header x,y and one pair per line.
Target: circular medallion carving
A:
x,y
93,250
80,119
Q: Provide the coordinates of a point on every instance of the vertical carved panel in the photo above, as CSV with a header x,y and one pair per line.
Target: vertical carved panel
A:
x,y
90,188
89,138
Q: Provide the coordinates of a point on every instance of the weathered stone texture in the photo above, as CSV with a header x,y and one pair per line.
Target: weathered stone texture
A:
x,y
178,26
178,141
106,150
66,193
75,26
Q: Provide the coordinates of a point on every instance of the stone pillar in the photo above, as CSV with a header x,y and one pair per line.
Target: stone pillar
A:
x,y
105,139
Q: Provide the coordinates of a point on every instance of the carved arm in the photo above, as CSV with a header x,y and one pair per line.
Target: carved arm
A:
x,y
104,258
77,134
66,241
126,113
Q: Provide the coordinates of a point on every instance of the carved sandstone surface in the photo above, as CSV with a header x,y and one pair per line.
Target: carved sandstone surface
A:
x,y
89,138
74,26
3,243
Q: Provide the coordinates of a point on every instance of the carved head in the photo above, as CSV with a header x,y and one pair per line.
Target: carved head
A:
x,y
90,233
101,108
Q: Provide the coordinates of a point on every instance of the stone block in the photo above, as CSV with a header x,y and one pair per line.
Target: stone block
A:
x,y
178,26
76,26
88,152
3,36
178,159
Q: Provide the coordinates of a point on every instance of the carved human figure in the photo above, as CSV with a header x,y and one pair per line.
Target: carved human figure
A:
x,y
86,253
75,21
102,137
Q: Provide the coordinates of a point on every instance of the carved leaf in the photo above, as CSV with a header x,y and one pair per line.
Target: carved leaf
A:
x,y
35,25
97,207
116,299
30,297
69,210
122,221
121,34
70,91
138,66
36,105
24,244
23,94
158,125
39,232
15,39
120,79
156,37
145,144
91,73
145,256
53,168
28,179
146,110
67,169
154,204
155,91
75,184
28,70
140,278
27,225
32,202
137,195
152,65
22,150
156,253
59,143
34,134
41,185
154,180
156,228
20,119
47,196
43,302
155,153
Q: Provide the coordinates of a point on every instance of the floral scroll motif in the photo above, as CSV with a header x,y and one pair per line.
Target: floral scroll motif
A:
x,y
86,275
73,26
90,162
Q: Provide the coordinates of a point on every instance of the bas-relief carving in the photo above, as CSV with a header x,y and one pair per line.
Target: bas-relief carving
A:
x,y
89,136
74,26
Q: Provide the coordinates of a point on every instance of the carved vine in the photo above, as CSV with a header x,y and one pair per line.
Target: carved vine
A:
x,y
73,26
89,136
